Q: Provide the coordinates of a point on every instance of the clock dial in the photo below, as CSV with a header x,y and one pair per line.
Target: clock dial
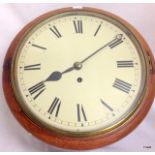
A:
x,y
79,72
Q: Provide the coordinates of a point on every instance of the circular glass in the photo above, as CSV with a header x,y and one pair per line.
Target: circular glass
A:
x,y
79,72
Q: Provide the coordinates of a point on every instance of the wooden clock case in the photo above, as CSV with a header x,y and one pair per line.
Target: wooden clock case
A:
x,y
66,141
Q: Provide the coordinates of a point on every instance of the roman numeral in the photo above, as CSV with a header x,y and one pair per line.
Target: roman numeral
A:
x,y
78,26
98,28
41,47
122,85
106,105
81,113
37,89
33,67
117,41
127,63
55,106
55,32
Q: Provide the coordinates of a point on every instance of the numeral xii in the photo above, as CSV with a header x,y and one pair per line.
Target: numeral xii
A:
x,y
78,26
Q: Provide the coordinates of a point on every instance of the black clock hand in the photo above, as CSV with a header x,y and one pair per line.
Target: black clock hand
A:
x,y
115,40
76,66
56,75
68,70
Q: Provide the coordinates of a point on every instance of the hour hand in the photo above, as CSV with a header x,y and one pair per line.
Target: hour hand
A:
x,y
54,76
68,70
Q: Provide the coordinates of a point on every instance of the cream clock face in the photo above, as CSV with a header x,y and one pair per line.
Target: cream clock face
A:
x,y
79,72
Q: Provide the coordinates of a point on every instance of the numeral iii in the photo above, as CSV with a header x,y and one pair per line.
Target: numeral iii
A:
x,y
127,63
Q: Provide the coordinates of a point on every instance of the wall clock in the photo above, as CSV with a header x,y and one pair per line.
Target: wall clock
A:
x,y
79,78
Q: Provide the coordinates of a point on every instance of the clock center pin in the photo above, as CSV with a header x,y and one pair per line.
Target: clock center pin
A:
x,y
77,65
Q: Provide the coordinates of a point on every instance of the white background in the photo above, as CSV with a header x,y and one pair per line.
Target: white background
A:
x,y
13,17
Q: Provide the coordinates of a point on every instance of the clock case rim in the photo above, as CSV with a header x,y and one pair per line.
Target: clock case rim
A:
x,y
68,141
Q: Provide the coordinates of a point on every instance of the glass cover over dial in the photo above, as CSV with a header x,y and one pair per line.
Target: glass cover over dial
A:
x,y
79,72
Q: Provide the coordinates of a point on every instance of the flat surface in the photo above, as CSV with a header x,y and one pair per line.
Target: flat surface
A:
x,y
13,17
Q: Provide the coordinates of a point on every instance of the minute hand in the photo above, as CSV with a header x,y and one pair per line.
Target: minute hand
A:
x,y
116,40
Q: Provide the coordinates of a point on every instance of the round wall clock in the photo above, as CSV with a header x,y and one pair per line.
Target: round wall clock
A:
x,y
79,78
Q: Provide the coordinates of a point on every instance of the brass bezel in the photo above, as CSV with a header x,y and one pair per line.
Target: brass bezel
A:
x,y
44,125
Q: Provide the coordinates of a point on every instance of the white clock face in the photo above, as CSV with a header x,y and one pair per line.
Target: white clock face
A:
x,y
79,72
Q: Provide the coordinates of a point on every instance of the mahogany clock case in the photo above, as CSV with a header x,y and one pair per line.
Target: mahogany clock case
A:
x,y
68,141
